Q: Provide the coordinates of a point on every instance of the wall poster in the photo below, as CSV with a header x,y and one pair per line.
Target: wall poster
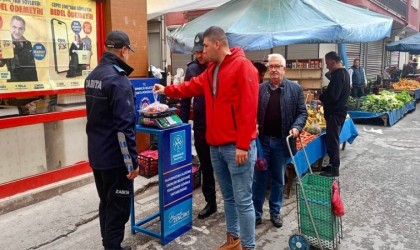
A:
x,y
46,44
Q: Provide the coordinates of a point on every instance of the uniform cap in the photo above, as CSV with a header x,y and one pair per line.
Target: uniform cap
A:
x,y
198,42
118,39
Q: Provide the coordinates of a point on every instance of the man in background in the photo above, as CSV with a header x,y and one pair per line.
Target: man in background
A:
x,y
281,112
195,68
358,80
22,66
334,100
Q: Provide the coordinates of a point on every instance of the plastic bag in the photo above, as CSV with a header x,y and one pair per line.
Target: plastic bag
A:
x,y
156,72
314,128
179,77
261,164
336,202
156,107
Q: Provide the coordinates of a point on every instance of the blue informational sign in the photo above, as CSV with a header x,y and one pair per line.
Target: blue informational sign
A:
x,y
143,88
178,153
177,148
177,184
178,216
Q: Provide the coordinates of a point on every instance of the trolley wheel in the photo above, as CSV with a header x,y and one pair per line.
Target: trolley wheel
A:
x,y
297,241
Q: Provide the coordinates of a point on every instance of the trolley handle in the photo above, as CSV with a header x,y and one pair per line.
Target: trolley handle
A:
x,y
293,158
301,185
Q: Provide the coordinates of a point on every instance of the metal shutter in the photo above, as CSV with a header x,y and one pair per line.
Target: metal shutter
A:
x,y
373,58
302,51
257,55
353,52
262,55
393,58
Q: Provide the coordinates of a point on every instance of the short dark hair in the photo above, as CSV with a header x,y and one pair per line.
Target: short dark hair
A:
x,y
332,55
260,67
215,33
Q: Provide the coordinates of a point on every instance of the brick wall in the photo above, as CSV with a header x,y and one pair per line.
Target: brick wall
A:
x,y
130,16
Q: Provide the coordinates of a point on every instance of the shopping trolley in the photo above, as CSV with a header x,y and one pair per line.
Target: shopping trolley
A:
x,y
318,226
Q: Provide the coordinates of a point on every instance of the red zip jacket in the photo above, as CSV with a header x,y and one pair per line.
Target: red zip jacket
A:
x,y
232,112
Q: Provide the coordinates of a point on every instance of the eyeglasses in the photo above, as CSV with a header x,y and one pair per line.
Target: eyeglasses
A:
x,y
276,67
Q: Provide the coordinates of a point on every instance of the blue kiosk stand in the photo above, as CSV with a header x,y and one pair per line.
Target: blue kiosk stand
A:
x,y
175,184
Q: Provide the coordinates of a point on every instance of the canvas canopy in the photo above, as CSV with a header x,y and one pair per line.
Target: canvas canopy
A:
x,y
157,8
264,24
409,44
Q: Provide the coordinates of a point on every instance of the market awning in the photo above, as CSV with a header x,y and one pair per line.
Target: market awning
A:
x,y
156,8
264,24
409,44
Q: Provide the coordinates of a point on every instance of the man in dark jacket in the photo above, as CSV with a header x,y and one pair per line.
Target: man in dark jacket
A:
x,y
195,68
358,80
334,100
111,136
281,112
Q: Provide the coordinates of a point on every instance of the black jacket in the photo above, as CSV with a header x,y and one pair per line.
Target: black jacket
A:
x,y
335,97
293,109
199,107
110,109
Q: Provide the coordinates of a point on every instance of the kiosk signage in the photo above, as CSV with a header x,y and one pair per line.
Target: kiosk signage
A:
x,y
143,88
175,183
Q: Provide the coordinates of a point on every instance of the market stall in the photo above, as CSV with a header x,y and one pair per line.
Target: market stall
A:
x,y
388,107
409,44
265,24
389,117
316,148
412,86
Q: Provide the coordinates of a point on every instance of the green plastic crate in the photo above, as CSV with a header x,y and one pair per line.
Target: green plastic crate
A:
x,y
318,193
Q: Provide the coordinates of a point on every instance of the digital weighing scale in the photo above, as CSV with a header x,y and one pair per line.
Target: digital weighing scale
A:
x,y
162,120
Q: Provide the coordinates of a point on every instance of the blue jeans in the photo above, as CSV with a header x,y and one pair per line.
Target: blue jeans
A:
x,y
235,183
276,164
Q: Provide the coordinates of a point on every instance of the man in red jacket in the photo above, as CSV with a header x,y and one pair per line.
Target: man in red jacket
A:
x,y
230,87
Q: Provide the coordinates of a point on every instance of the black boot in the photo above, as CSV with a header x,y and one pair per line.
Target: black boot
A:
x,y
209,209
333,172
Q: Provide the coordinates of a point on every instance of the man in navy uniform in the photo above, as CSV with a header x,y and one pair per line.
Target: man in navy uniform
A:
x,y
110,130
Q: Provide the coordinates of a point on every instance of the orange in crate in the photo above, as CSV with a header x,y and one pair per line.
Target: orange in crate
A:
x,y
148,163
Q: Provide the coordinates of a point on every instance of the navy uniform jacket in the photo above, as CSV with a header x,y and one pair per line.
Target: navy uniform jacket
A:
x,y
110,109
199,106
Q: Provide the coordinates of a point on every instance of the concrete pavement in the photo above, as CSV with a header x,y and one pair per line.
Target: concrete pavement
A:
x,y
380,186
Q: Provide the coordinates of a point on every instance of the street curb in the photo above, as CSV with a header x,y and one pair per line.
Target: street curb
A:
x,y
30,197
33,196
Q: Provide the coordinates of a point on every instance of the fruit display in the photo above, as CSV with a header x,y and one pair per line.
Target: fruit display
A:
x,y
406,84
315,120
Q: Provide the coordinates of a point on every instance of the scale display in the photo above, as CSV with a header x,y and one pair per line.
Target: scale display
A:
x,y
162,122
